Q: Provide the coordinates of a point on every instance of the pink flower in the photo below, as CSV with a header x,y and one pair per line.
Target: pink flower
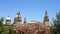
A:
x,y
28,28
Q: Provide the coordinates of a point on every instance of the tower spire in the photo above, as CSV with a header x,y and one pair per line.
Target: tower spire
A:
x,y
46,16
18,13
46,13
25,20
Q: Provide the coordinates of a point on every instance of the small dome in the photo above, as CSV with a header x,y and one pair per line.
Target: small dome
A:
x,y
8,18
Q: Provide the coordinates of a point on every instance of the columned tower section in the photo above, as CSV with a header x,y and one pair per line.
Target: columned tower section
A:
x,y
17,18
46,23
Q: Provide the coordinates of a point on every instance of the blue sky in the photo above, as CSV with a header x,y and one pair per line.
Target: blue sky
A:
x,y
31,9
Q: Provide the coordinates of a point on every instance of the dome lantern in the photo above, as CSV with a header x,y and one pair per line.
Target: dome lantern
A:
x,y
8,18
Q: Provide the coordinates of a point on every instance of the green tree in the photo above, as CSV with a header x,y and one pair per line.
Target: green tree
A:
x,y
11,31
55,28
8,30
5,29
1,24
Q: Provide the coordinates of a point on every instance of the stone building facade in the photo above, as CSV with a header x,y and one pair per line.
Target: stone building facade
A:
x,y
18,20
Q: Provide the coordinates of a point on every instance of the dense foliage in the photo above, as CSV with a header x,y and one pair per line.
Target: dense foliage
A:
x,y
55,28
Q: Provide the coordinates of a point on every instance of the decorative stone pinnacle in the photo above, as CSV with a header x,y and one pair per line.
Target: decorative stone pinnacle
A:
x,y
18,13
46,13
25,20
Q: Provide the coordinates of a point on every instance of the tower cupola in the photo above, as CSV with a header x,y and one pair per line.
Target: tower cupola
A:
x,y
8,21
17,18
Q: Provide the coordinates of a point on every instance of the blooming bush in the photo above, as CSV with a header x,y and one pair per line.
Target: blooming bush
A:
x,y
29,28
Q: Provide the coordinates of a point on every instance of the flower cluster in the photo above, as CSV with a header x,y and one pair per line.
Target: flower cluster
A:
x,y
29,28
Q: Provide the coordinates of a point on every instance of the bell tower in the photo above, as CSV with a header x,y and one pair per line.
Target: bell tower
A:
x,y
17,18
46,23
46,19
